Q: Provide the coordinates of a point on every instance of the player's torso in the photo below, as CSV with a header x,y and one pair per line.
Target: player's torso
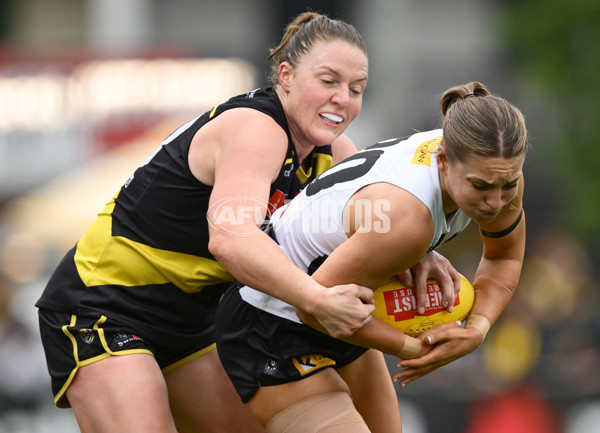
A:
x,y
310,227
155,230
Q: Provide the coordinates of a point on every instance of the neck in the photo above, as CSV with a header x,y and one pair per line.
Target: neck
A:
x,y
447,203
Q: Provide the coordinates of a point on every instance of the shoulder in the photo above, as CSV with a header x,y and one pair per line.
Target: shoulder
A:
x,y
406,215
240,139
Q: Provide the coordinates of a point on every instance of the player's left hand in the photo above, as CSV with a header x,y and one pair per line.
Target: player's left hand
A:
x,y
449,342
439,268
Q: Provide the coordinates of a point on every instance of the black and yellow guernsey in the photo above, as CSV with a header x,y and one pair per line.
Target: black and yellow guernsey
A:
x,y
147,251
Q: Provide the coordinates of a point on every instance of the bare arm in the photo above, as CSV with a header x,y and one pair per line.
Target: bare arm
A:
x,y
495,282
241,164
433,265
370,257
499,270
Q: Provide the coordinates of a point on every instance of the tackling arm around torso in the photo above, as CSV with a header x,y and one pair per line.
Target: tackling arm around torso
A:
x,y
370,257
240,163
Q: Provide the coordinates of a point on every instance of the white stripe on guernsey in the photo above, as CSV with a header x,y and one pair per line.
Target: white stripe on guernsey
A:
x,y
267,303
170,138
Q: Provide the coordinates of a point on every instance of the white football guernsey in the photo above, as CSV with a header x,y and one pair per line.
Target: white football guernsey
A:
x,y
311,225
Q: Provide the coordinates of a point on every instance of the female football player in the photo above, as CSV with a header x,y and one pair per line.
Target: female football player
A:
x,y
364,220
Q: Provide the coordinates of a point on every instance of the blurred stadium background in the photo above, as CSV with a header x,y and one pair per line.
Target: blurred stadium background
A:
x,y
89,87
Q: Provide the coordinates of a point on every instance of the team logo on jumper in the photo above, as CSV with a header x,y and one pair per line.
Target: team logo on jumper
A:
x,y
86,335
309,363
287,173
122,339
424,151
271,366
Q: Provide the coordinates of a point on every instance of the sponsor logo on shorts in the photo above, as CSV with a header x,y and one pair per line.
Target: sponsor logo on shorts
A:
x,y
86,335
122,339
271,366
309,363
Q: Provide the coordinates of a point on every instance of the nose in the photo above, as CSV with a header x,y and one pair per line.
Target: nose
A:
x,y
341,95
494,199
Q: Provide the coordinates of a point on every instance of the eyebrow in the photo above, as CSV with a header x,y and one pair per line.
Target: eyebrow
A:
x,y
337,74
485,182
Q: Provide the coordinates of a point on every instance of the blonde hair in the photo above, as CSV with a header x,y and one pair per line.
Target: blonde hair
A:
x,y
477,122
301,34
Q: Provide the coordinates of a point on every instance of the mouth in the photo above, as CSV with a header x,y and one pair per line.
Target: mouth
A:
x,y
332,118
488,214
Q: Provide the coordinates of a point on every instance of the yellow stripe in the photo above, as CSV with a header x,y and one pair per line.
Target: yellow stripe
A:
x,y
321,162
102,337
303,175
65,330
189,358
79,363
102,259
212,113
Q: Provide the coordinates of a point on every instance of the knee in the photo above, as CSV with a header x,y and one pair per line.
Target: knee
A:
x,y
331,412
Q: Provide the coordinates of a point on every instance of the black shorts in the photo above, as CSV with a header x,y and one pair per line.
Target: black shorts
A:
x,y
71,341
260,349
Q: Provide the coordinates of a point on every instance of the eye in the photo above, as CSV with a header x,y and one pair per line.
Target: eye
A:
x,y
479,186
511,185
357,91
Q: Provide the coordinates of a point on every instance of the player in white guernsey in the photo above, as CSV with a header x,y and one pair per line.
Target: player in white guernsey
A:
x,y
312,225
373,215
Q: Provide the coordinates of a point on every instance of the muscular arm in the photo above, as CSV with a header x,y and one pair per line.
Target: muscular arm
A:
x,y
495,281
241,163
433,265
370,257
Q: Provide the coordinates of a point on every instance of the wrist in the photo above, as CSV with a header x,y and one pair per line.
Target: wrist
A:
x,y
313,298
410,349
479,322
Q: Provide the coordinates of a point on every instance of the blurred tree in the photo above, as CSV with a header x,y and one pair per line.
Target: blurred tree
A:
x,y
555,44
5,14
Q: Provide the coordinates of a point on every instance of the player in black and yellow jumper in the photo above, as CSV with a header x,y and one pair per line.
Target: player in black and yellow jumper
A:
x,y
144,279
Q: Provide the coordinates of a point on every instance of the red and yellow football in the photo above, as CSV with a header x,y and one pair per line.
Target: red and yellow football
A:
x,y
396,305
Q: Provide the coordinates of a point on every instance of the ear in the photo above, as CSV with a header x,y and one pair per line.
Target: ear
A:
x,y
285,75
442,159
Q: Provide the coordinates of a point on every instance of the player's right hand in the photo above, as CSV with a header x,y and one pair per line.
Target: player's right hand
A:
x,y
342,310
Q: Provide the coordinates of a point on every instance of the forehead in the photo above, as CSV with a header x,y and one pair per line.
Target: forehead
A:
x,y
492,169
334,53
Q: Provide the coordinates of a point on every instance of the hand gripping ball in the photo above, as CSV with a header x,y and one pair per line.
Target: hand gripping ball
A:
x,y
396,305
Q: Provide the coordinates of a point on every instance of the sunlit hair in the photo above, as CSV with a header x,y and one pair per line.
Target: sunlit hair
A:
x,y
302,33
477,122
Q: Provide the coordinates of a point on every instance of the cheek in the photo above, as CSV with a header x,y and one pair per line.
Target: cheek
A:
x,y
310,92
508,196
471,196
355,108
